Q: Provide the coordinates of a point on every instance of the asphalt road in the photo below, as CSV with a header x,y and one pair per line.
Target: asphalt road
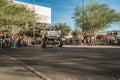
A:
x,y
69,63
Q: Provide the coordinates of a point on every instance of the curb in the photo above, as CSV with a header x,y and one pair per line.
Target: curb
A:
x,y
91,46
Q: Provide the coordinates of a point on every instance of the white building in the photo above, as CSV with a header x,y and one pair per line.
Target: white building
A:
x,y
42,14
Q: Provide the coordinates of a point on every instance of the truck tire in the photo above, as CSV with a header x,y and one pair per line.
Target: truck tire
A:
x,y
43,43
60,43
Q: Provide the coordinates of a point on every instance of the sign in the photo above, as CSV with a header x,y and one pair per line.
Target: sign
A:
x,y
42,14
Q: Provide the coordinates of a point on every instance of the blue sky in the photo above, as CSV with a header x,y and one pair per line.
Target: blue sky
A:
x,y
62,10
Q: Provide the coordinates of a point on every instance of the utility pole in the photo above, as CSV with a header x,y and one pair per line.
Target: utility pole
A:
x,y
33,18
12,27
83,13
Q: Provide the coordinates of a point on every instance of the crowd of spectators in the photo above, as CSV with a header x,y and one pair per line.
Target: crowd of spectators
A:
x,y
100,39
15,41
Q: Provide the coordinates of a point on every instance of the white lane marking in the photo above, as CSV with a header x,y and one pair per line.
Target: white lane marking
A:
x,y
42,76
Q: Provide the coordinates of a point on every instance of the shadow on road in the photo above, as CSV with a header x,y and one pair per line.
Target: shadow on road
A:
x,y
76,62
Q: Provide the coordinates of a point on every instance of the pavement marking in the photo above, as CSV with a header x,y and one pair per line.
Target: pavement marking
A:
x,y
40,75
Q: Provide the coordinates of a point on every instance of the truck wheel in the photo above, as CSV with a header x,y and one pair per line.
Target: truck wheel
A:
x,y
60,43
43,43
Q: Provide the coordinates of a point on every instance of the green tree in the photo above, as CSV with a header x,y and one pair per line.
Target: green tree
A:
x,y
95,16
63,27
12,15
76,32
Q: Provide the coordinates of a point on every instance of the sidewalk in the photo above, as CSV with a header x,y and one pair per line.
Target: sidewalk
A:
x,y
11,70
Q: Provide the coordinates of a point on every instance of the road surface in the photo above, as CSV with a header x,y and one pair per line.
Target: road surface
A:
x,y
68,63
